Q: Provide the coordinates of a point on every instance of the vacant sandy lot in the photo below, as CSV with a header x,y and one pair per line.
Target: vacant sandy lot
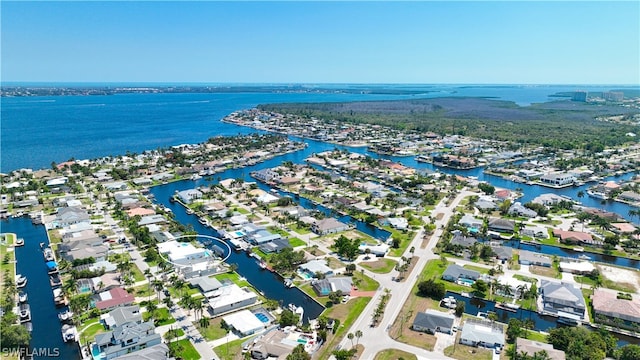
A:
x,y
619,275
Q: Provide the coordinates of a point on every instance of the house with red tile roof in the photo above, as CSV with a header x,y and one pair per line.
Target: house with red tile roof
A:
x,y
113,298
575,237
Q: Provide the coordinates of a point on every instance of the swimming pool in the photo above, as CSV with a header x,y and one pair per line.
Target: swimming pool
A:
x,y
466,282
262,317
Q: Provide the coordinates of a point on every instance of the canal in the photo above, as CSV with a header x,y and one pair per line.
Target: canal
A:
x,y
46,338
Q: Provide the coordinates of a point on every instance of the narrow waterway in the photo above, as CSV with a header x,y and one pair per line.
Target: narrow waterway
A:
x,y
46,338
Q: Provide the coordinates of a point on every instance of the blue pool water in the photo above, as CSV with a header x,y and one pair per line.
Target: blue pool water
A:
x,y
262,317
466,281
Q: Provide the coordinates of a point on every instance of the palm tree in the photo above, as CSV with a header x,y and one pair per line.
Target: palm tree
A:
x,y
350,336
168,302
204,322
151,308
198,307
158,285
358,336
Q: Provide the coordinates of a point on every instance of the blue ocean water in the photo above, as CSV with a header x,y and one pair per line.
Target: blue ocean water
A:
x,y
38,130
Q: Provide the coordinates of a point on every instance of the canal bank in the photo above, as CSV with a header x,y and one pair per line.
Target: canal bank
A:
x,y
46,337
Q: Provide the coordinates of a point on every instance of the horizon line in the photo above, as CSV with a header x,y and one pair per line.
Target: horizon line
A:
x,y
206,83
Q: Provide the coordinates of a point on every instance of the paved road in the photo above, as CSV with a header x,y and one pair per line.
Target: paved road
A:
x,y
377,339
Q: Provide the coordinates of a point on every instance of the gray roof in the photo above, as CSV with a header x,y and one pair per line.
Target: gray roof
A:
x,y
456,271
530,347
498,223
562,294
315,266
503,252
432,319
206,283
341,283
122,315
275,246
155,352
464,241
534,258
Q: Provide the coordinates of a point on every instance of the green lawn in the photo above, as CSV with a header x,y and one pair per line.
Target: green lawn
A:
x,y
214,331
384,266
295,242
394,354
277,230
480,269
161,315
299,230
364,282
184,349
525,278
355,308
433,269
7,259
242,211
405,240
229,351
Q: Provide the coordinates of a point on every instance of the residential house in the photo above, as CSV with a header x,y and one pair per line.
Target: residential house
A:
x,y
548,199
607,307
120,316
502,252
501,225
479,332
324,287
531,258
485,205
74,250
576,237
464,241
126,339
70,215
629,196
263,237
230,297
113,298
530,348
315,266
399,223
518,209
539,232
562,299
275,246
431,321
454,272
576,267
471,223
244,322
558,179
154,352
328,226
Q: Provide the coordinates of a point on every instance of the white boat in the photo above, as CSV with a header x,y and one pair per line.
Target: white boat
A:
x,y
22,297
29,326
69,333
597,195
65,315
21,281
25,313
190,211
48,254
19,242
578,249
584,257
289,283
449,302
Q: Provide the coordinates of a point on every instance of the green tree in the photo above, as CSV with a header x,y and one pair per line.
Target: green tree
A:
x,y
288,318
460,308
299,353
431,288
347,248
629,352
480,288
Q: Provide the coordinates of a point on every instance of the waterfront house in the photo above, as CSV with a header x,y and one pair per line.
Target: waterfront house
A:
x,y
431,321
399,223
623,228
154,352
548,199
75,250
454,272
558,179
530,348
501,225
479,332
126,339
502,252
262,237
464,241
70,215
607,307
539,232
326,286
311,268
562,299
189,195
576,237
151,219
576,267
378,250
230,297
275,246
120,316
630,196
188,257
531,258
328,226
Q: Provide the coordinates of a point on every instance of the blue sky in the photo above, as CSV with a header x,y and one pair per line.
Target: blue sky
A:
x,y
322,42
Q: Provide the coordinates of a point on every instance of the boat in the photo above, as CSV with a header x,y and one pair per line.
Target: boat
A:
x,y
65,315
449,302
423,158
19,242
55,280
508,307
25,313
190,211
48,254
203,221
584,257
58,297
41,245
21,281
22,297
578,249
465,294
597,195
289,283
52,267
69,333
263,265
